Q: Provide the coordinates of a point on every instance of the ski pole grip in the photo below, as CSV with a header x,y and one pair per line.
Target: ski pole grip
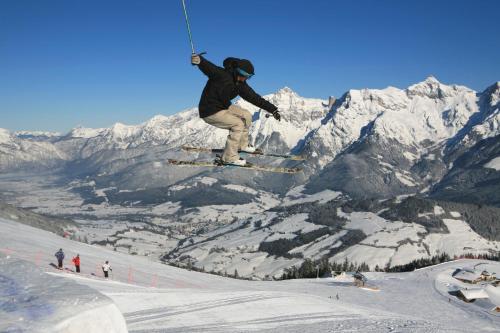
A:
x,y
198,54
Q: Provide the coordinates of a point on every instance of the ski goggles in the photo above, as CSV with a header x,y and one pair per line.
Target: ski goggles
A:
x,y
243,73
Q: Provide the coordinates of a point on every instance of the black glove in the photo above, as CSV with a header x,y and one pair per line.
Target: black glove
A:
x,y
276,115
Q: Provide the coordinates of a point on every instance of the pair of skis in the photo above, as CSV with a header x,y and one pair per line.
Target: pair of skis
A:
x,y
219,163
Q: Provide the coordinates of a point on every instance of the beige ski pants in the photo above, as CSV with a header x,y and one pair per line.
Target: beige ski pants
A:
x,y
237,121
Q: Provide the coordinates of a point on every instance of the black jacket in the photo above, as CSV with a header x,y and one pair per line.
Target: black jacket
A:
x,y
222,87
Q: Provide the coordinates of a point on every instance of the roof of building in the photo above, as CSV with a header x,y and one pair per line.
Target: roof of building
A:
x,y
467,275
471,294
494,294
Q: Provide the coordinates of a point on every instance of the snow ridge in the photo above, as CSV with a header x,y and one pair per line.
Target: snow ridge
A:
x,y
425,112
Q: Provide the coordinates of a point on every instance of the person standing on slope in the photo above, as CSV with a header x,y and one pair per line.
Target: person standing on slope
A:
x,y
76,262
215,106
60,257
106,268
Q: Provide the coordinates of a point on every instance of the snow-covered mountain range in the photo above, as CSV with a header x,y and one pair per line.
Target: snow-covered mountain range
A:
x,y
398,141
17,152
391,141
431,140
300,116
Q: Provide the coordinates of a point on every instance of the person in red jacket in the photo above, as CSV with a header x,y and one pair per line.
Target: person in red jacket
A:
x,y
76,261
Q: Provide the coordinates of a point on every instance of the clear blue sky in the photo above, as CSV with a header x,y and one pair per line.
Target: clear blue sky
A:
x,y
96,62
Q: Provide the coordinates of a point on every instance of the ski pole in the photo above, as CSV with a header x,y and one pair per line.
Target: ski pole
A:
x,y
189,29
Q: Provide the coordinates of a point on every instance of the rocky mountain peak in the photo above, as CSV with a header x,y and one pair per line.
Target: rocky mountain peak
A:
x,y
157,120
431,79
286,91
285,98
430,88
493,93
122,132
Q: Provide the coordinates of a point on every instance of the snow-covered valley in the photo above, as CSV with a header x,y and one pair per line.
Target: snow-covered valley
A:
x,y
263,237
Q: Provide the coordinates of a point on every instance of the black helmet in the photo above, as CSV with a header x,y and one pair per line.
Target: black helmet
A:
x,y
246,66
230,63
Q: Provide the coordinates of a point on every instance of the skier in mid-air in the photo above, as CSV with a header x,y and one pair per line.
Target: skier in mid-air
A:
x,y
215,106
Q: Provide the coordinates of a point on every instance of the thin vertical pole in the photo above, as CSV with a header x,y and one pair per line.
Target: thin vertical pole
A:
x,y
188,27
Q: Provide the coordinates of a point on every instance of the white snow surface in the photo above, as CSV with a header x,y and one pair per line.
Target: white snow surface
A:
x,y
38,134
296,196
86,133
398,243
157,298
32,301
5,136
493,164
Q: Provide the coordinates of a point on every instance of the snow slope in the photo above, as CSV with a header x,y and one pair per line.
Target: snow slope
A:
x,y
157,298
484,124
32,301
